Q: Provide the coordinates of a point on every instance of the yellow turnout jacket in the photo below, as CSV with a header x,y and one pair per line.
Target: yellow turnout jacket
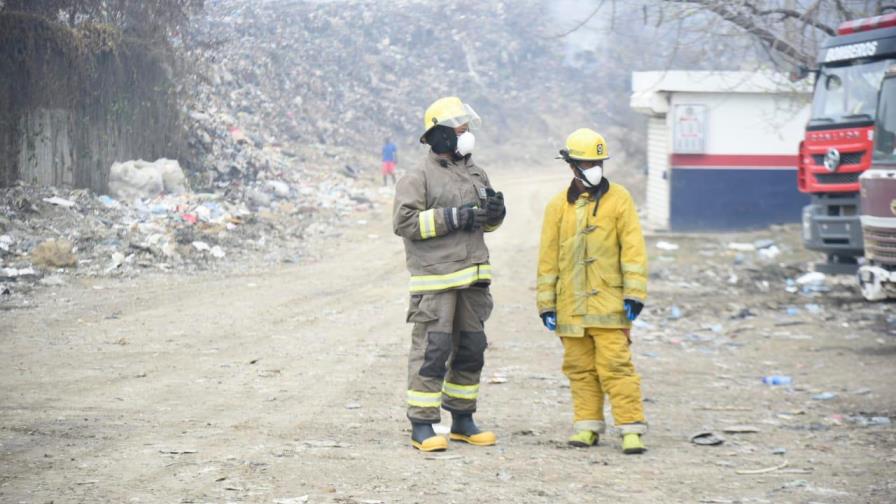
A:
x,y
590,261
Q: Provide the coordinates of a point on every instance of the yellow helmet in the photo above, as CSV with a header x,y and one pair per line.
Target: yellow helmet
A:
x,y
448,111
584,144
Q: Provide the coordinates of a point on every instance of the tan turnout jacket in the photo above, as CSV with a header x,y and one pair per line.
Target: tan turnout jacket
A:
x,y
440,259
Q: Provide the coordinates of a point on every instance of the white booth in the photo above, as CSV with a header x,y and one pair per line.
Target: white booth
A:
x,y
721,148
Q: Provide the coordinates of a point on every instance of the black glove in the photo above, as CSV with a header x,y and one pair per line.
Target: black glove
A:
x,y
472,218
495,207
633,308
466,217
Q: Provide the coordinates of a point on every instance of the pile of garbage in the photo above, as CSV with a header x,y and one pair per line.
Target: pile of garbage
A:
x,y
310,87
151,223
759,283
286,109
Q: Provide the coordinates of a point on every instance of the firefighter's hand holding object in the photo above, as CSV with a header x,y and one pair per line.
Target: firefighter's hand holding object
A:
x,y
467,217
477,218
633,308
549,319
495,208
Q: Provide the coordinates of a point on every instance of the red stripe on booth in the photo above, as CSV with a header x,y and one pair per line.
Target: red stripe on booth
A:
x,y
738,161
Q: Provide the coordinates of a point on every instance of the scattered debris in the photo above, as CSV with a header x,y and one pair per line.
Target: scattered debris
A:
x,y
813,282
725,408
54,254
443,457
707,439
140,179
777,380
740,429
870,421
498,378
764,470
741,247
770,253
56,200
764,244
102,236
326,443
292,500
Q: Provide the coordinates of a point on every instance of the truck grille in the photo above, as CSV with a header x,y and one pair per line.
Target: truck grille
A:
x,y
880,244
883,235
837,178
881,256
846,158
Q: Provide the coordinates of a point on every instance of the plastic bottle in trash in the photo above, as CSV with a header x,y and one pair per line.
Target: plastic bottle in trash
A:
x,y
777,380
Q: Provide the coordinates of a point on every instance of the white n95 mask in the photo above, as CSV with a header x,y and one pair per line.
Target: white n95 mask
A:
x,y
465,143
593,175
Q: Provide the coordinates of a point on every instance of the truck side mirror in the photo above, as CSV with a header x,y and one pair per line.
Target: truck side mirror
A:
x,y
801,72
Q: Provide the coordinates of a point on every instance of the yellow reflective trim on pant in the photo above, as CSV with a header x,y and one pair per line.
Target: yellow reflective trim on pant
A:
x,y
424,399
547,279
633,268
460,391
460,278
427,224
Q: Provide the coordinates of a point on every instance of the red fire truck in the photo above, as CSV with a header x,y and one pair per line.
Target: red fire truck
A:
x,y
840,135
877,277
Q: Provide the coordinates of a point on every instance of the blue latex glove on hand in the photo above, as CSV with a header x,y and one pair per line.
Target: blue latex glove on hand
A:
x,y
549,319
633,308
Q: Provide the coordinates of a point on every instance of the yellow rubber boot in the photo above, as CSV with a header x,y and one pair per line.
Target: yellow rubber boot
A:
x,y
583,439
632,444
424,438
463,428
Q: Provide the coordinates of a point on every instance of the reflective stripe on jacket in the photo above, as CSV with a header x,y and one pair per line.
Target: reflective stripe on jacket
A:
x,y
425,199
589,263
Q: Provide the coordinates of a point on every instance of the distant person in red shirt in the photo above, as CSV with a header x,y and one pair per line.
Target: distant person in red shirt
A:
x,y
390,159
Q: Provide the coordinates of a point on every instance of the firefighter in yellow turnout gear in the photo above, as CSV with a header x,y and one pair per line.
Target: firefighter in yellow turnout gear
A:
x,y
442,211
592,283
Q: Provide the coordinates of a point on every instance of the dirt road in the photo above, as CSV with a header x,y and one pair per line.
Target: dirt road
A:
x,y
288,385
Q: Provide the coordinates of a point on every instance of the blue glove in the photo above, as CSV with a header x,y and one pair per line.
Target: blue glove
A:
x,y
549,319
633,308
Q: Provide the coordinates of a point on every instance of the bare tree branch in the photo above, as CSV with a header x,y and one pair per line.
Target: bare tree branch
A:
x,y
844,12
728,12
582,23
807,17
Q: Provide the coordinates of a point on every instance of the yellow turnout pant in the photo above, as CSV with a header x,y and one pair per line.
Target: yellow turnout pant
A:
x,y
600,363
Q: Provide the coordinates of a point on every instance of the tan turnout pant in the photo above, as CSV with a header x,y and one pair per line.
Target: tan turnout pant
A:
x,y
447,351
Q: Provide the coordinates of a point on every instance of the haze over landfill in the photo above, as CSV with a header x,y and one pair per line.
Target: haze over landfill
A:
x,y
230,325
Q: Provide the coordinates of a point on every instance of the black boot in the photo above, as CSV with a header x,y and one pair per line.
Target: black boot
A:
x,y
463,428
424,438
462,423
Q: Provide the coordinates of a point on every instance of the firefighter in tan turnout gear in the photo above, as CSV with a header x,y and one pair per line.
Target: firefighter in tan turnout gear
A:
x,y
592,283
442,210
